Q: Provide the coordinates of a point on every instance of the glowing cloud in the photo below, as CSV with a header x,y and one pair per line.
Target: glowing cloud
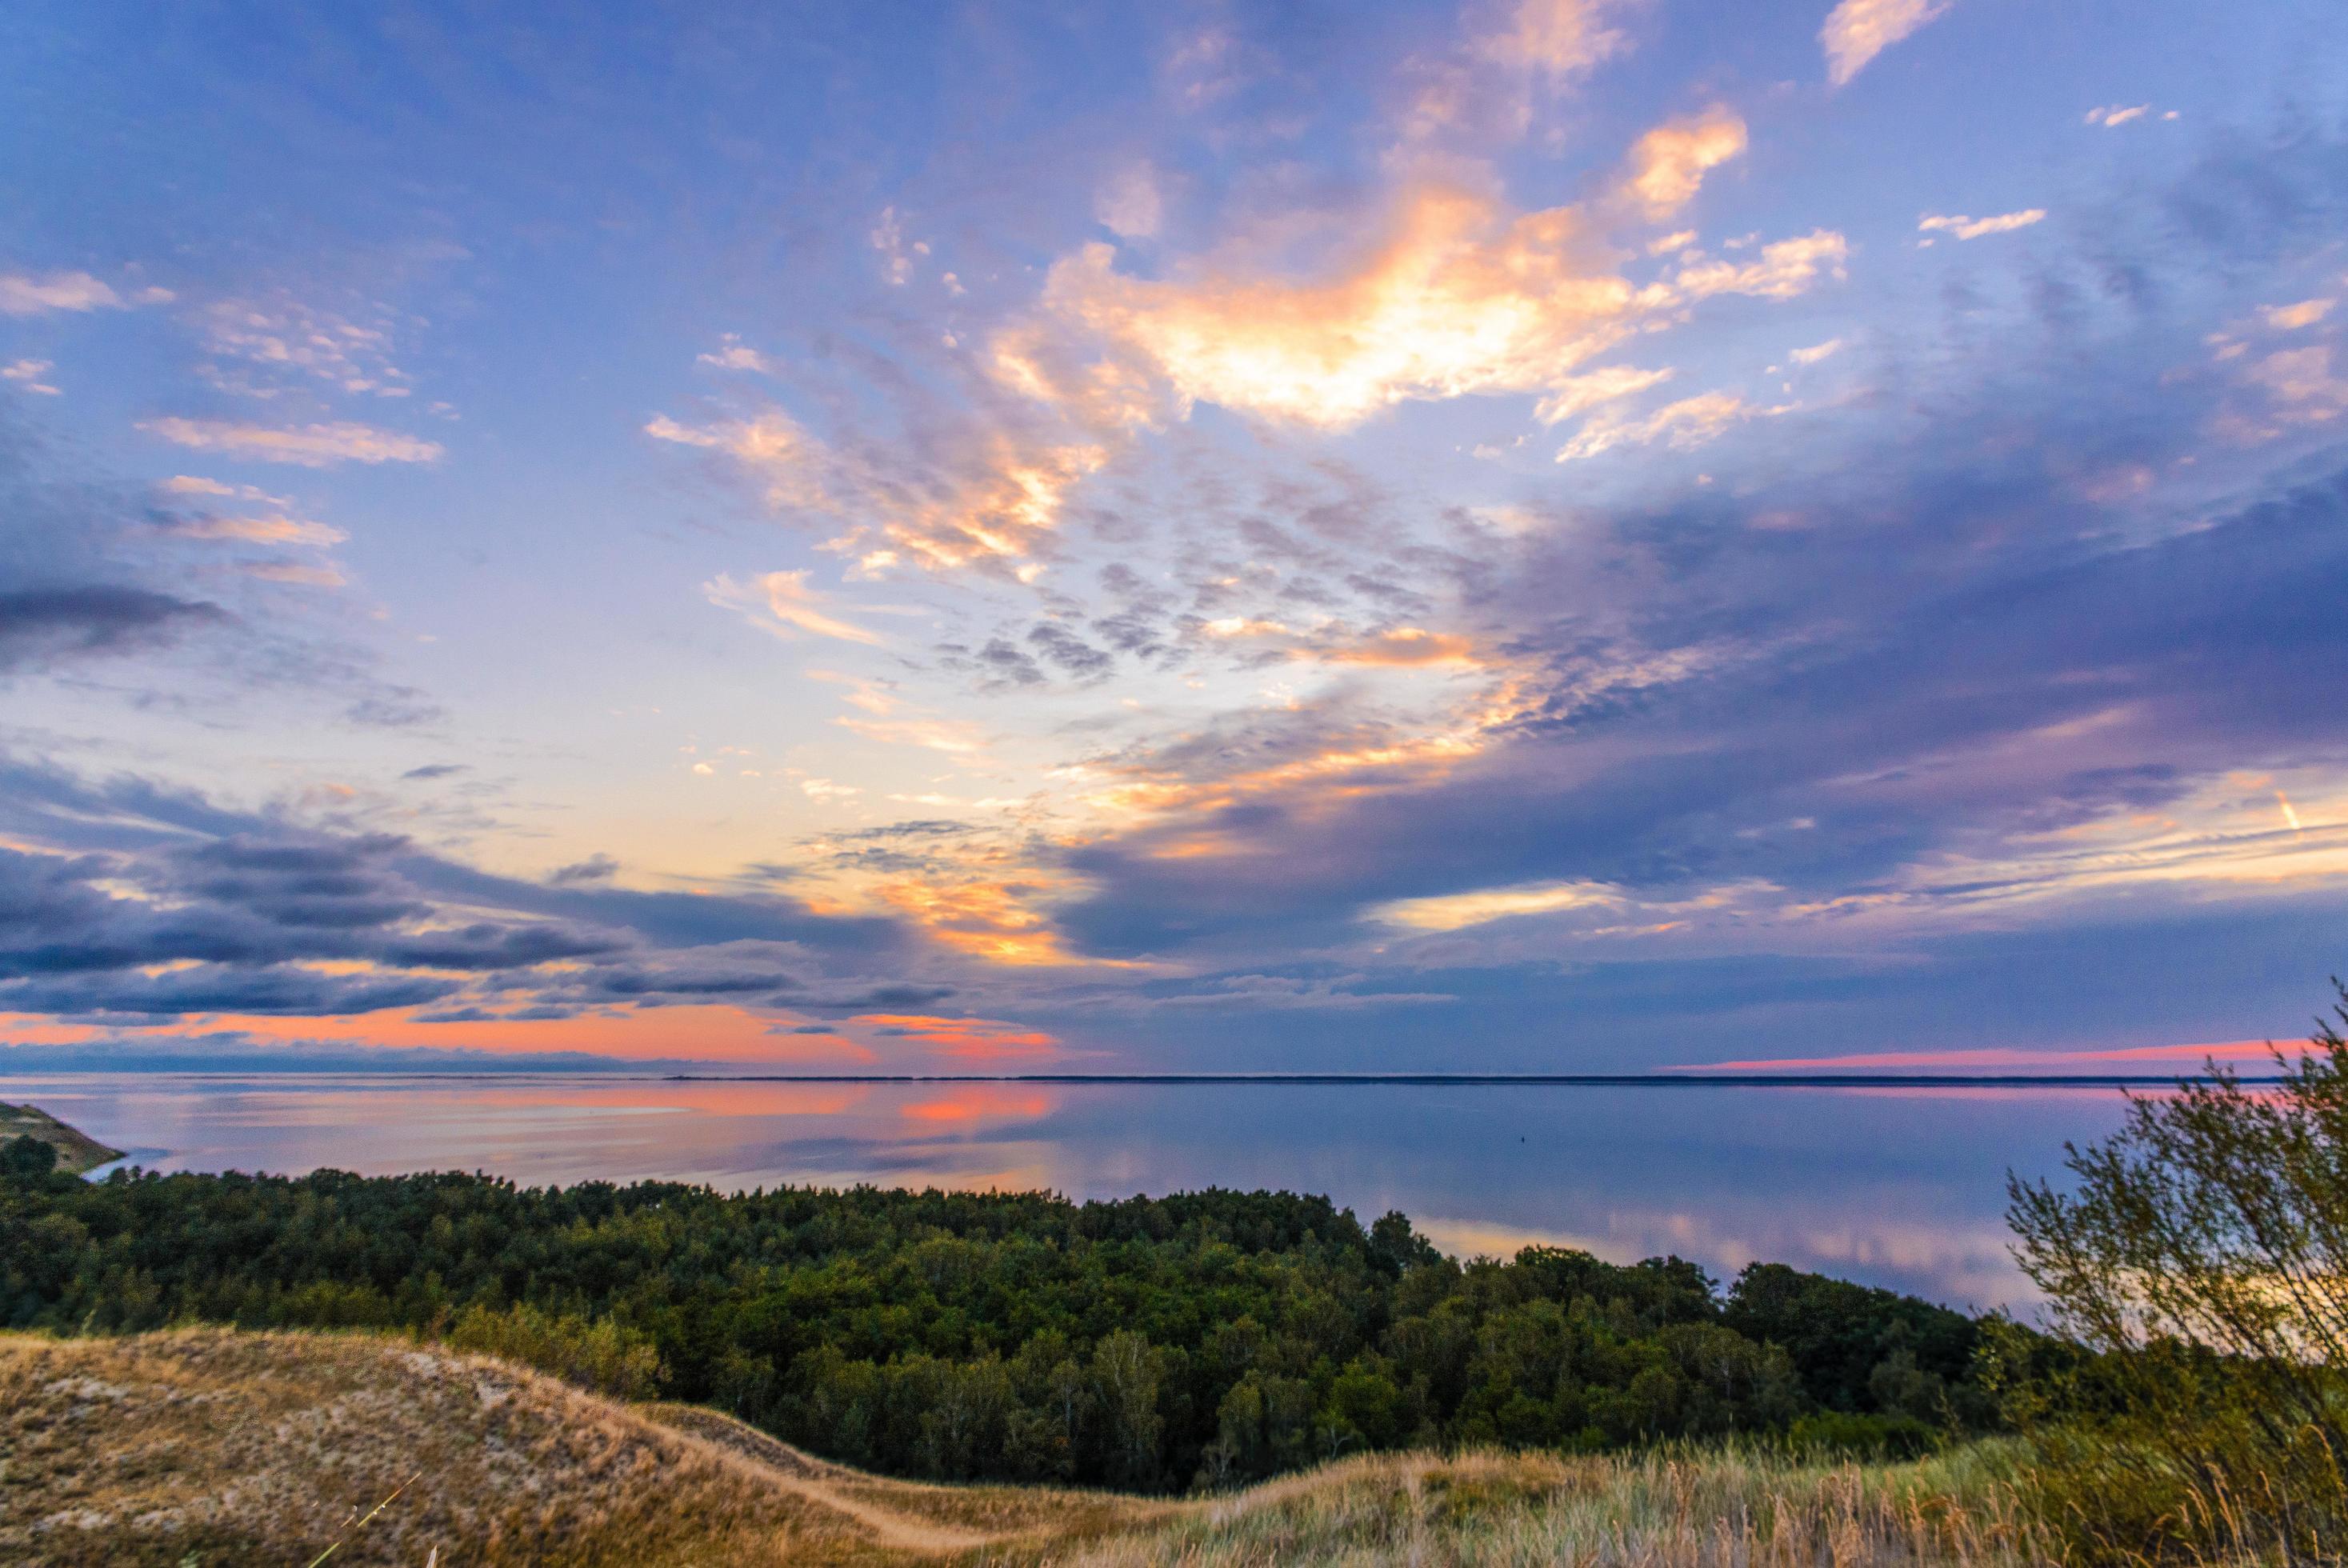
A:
x,y
969,1039
1669,163
992,501
1459,911
1857,30
1784,269
1580,394
781,604
1459,299
2113,115
1683,425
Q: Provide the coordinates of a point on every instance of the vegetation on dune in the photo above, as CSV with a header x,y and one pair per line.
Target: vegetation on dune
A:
x,y
199,1449
1209,1339
1725,1507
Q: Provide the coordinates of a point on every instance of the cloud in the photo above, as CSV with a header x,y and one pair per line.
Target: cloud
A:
x,y
28,373
2293,317
259,529
1285,993
297,573
284,338
1856,31
308,446
1668,164
1130,205
1682,426
1561,37
593,869
1574,394
1456,296
733,354
964,1039
782,604
1966,228
39,626
1817,352
22,293
1784,269
2114,115
124,900
1489,83
1459,911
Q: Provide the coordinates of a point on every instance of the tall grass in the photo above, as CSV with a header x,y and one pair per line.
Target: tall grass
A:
x,y
1673,1509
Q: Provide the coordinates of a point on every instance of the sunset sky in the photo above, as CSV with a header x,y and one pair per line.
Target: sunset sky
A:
x,y
1547,535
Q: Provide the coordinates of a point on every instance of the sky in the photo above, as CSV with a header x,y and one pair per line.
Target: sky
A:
x,y
1529,535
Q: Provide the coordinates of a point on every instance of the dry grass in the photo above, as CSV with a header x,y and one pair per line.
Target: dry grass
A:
x,y
211,1447
1708,1510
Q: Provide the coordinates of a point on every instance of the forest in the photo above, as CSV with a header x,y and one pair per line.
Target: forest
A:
x,y
1199,1339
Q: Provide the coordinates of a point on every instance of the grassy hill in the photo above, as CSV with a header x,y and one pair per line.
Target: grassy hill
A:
x,y
76,1151
204,1447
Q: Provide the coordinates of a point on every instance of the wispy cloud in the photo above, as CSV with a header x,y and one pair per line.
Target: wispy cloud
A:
x,y
1966,228
1682,426
781,603
28,373
307,446
22,293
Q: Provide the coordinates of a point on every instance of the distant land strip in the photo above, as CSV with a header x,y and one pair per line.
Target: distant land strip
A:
x,y
1691,1079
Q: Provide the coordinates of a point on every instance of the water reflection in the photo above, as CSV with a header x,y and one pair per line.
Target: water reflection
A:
x,y
1896,1187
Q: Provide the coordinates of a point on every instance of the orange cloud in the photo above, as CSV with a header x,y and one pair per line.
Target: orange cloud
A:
x,y
1668,164
993,500
1458,297
971,1039
1405,647
706,1032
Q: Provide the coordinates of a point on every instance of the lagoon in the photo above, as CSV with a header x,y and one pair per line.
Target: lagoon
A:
x,y
1894,1185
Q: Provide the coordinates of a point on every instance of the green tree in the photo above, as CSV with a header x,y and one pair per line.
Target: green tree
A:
x,y
27,1156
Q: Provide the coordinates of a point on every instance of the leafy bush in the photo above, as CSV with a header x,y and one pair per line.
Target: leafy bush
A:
x,y
601,1356
2202,1268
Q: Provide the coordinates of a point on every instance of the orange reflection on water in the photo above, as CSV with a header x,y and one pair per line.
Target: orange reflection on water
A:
x,y
982,1102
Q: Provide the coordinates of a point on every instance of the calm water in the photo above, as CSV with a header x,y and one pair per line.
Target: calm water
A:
x,y
1897,1187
